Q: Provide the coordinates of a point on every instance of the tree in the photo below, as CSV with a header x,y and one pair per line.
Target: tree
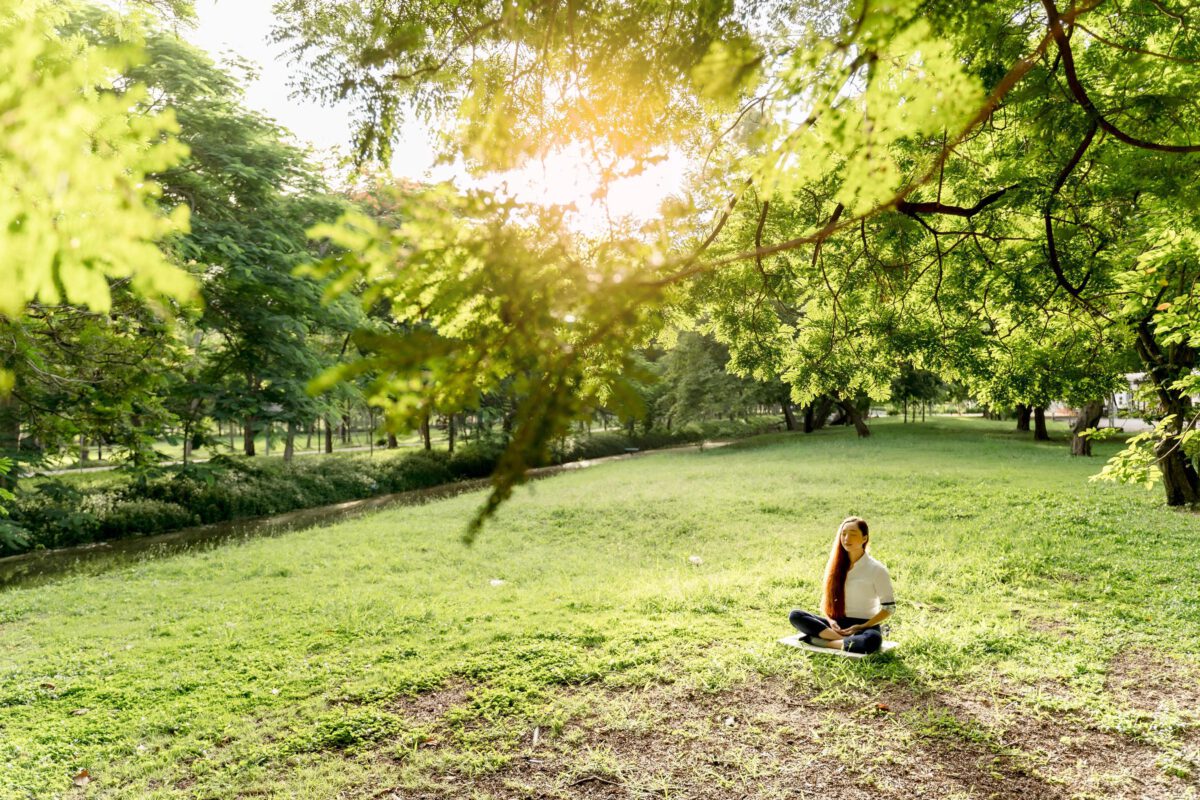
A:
x,y
79,205
128,375
79,225
879,184
915,385
88,377
252,195
696,385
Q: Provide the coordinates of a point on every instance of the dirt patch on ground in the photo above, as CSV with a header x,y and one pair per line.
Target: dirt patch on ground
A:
x,y
1153,682
1094,763
427,708
1165,693
1069,748
773,739
1055,626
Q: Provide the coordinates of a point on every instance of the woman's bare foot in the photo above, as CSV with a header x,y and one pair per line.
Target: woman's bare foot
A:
x,y
820,641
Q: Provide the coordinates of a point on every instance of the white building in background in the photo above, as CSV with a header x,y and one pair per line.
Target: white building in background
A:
x,y
1125,399
1123,409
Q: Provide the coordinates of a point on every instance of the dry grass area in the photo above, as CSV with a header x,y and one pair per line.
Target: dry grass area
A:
x,y
771,737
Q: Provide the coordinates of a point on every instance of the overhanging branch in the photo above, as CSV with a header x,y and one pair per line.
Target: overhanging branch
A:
x,y
912,209
1051,246
1058,28
687,267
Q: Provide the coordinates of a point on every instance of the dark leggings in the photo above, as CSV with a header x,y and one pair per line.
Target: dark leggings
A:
x,y
865,641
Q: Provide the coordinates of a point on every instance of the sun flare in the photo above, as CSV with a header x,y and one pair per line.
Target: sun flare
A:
x,y
573,179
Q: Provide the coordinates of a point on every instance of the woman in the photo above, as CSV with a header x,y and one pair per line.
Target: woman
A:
x,y
857,598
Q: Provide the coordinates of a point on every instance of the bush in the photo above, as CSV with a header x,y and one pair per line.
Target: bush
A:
x,y
13,539
476,460
655,440
52,517
597,445
418,470
144,517
58,514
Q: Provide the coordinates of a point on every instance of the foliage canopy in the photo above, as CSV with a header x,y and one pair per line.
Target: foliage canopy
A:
x,y
78,206
998,192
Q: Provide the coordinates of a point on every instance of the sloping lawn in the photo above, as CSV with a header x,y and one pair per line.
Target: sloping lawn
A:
x,y
1048,633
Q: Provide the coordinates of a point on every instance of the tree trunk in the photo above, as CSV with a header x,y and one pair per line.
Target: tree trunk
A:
x,y
1023,414
425,434
1164,367
789,416
1179,476
821,410
308,444
10,436
1089,417
450,431
854,417
1040,434
289,444
248,436
328,436
191,421
392,444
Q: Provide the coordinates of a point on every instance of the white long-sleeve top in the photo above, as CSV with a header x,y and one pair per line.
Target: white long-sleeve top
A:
x,y
868,588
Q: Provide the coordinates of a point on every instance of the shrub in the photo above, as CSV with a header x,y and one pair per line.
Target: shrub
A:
x,y
58,514
144,517
658,438
57,519
597,445
13,539
418,470
476,460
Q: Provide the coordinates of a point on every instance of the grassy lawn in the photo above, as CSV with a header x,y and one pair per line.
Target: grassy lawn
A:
x,y
1048,633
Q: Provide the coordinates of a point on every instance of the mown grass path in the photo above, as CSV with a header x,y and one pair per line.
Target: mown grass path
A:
x,y
1048,631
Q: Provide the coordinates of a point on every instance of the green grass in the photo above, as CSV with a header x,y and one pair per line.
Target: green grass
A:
x,y
377,655
174,451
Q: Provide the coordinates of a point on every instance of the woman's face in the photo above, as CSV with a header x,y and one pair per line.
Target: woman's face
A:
x,y
851,536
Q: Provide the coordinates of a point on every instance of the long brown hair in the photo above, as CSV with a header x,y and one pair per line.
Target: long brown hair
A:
x,y
833,601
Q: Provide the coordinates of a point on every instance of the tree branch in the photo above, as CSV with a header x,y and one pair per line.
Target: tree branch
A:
x,y
837,212
1058,28
1019,70
1138,50
1052,249
762,221
912,209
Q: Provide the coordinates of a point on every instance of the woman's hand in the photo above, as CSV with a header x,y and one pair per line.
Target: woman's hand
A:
x,y
847,631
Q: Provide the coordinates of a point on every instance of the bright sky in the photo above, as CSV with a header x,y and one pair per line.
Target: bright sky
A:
x,y
243,26
565,177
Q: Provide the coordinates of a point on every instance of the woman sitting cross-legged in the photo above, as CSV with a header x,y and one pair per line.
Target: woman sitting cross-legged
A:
x,y
857,596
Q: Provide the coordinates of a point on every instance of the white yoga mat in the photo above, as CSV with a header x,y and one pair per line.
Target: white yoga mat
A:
x,y
794,641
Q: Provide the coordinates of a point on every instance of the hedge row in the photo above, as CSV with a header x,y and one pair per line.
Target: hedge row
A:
x,y
56,514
